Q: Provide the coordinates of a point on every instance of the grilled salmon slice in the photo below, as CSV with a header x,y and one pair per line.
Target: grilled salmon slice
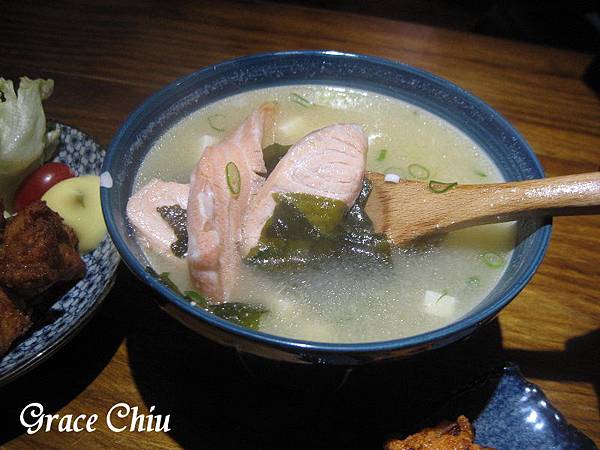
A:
x,y
329,162
216,208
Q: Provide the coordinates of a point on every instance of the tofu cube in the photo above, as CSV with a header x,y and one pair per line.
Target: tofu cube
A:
x,y
439,304
207,140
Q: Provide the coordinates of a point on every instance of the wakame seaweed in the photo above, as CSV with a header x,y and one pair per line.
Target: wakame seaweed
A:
x,y
272,154
306,228
358,237
176,217
244,314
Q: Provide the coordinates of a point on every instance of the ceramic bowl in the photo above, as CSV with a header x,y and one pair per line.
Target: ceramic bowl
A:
x,y
478,120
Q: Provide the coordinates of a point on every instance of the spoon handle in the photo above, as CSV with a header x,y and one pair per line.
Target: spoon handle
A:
x,y
501,202
409,210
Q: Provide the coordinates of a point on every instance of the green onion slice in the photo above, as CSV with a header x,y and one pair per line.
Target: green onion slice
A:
x,y
439,187
444,293
418,171
473,281
481,173
493,260
296,98
232,174
396,170
382,154
215,121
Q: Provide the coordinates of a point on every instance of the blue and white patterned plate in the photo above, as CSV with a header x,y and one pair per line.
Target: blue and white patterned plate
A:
x,y
516,414
73,309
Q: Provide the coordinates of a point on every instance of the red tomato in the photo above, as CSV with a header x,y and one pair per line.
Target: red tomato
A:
x,y
39,181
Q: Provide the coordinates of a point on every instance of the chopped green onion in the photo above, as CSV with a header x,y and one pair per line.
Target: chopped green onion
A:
x,y
396,170
232,174
493,260
382,154
473,281
418,171
444,293
481,173
300,100
439,187
215,122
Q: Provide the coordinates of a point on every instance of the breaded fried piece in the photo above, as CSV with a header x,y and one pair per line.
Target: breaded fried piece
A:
x,y
13,322
455,436
37,251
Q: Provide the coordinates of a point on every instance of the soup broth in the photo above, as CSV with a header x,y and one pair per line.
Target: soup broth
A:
x,y
344,299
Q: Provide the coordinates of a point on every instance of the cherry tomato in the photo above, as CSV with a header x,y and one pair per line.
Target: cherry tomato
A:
x,y
38,182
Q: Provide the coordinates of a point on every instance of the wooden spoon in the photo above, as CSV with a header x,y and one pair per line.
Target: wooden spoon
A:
x,y
409,210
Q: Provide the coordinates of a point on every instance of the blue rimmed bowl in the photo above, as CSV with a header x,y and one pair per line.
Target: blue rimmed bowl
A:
x,y
475,118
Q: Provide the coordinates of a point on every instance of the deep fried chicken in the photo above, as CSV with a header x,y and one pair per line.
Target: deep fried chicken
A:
x,y
455,436
2,219
37,250
13,322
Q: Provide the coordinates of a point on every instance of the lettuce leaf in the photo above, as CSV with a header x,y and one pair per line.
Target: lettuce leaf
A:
x,y
24,139
23,135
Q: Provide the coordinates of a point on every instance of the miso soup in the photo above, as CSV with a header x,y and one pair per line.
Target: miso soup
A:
x,y
344,300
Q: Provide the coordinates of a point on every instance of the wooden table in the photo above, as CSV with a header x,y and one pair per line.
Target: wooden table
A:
x,y
106,59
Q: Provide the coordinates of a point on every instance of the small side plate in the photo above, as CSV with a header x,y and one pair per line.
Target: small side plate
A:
x,y
519,415
84,155
510,413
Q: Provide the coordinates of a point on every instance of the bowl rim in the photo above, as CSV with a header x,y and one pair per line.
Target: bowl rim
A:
x,y
444,334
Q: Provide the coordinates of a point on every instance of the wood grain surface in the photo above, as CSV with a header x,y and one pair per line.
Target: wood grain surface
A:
x,y
107,57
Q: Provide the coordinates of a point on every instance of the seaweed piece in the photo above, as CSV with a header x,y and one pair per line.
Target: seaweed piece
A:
x,y
164,278
272,154
244,314
303,228
358,237
357,216
176,217
197,298
307,228
323,213
361,242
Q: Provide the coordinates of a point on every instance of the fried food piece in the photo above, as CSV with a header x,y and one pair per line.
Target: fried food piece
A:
x,y
454,436
13,322
37,250
2,219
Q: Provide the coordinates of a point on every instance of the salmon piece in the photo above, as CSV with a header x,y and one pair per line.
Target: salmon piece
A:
x,y
153,230
329,162
215,213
